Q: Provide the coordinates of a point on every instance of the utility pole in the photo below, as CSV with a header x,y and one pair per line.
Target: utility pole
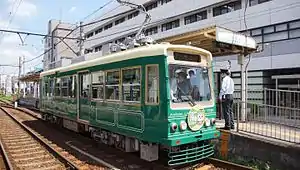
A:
x,y
241,60
0,83
81,50
24,74
19,76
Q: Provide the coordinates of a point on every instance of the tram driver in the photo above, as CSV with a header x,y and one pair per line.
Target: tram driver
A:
x,y
184,87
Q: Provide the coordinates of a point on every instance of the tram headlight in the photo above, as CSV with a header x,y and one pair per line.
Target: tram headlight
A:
x,y
183,125
174,126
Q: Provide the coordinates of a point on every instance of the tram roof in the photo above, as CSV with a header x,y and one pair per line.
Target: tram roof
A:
x,y
219,41
149,50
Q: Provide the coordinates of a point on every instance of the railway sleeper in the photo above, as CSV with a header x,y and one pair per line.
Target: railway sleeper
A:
x,y
39,164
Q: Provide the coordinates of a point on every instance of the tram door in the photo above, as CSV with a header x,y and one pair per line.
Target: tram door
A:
x,y
84,81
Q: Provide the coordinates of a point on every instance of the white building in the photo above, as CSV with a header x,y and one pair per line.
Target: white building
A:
x,y
57,55
275,24
5,84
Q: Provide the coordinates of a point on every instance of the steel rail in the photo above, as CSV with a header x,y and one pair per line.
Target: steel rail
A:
x,y
6,159
64,160
226,164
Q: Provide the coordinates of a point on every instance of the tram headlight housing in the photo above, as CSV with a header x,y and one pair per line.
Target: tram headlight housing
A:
x,y
213,121
207,122
183,125
174,126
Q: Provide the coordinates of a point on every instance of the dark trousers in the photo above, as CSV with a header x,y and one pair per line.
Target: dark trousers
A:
x,y
227,110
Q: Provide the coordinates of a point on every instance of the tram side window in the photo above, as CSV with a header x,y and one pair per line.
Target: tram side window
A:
x,y
131,87
64,86
98,85
85,80
57,87
51,89
45,87
152,82
112,85
72,86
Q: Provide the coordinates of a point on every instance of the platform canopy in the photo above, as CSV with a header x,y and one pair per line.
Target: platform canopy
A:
x,y
31,76
219,41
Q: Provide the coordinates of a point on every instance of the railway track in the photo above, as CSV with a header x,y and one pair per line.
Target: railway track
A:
x,y
22,150
126,161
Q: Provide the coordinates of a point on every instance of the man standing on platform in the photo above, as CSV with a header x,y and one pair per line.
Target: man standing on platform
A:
x,y
226,97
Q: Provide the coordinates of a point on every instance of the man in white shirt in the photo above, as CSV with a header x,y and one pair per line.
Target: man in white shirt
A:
x,y
226,98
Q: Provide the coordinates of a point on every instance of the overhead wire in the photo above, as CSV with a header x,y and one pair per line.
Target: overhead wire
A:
x,y
104,19
12,17
94,22
98,9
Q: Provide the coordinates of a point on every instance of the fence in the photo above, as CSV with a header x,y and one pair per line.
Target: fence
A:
x,y
270,113
261,119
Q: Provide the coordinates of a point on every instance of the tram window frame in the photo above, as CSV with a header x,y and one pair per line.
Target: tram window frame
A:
x,y
88,85
130,85
148,101
46,89
51,87
73,87
102,84
106,96
65,86
57,89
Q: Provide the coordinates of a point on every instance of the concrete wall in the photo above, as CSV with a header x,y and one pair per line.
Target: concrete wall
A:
x,y
278,155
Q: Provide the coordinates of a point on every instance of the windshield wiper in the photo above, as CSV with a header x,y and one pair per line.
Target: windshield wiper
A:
x,y
191,101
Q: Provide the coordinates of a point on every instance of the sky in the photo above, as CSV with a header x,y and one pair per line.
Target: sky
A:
x,y
33,16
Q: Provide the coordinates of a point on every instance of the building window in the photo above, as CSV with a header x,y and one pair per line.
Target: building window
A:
x,y
98,31
164,1
152,84
119,21
134,14
170,25
255,2
107,26
90,35
98,85
121,40
98,48
151,6
112,85
195,17
131,85
86,51
132,35
226,8
151,31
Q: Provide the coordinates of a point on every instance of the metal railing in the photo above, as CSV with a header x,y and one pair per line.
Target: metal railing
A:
x,y
269,112
262,119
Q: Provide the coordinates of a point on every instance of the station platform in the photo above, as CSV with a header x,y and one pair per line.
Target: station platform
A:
x,y
270,130
30,102
275,145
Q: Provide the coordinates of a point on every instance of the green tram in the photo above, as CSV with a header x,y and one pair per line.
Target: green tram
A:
x,y
156,99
